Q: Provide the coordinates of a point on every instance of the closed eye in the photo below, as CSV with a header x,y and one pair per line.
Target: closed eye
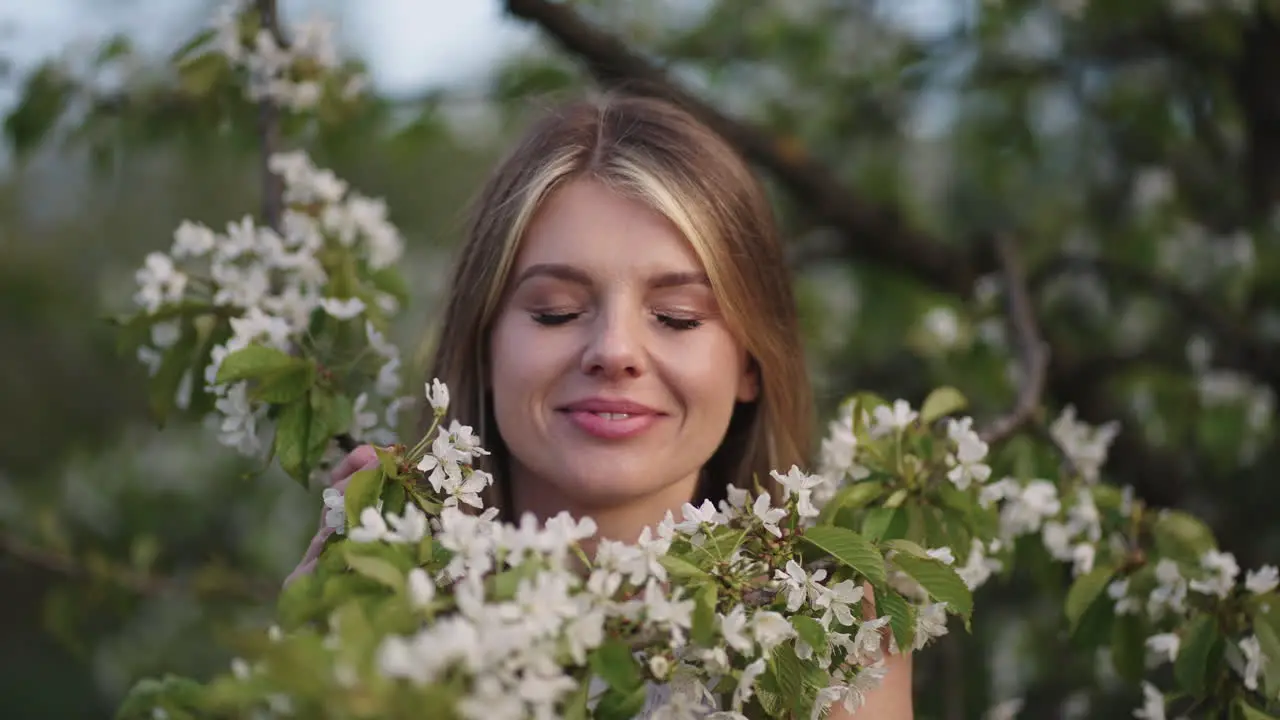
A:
x,y
548,318
678,323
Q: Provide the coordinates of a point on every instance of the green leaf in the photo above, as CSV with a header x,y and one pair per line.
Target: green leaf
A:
x,y
362,491
704,615
1181,536
290,444
902,615
387,460
1249,712
285,386
1084,592
849,548
394,496
896,498
45,96
575,707
163,389
885,523
200,74
1128,647
376,569
796,679
621,704
1269,642
723,542
941,402
614,663
192,45
851,497
906,546
939,580
1201,645
678,567
255,361
810,631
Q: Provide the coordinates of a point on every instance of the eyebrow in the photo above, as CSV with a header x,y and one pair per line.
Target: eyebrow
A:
x,y
569,273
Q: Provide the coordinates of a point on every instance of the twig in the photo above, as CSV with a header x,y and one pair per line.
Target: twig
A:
x,y
136,581
270,142
1033,355
269,128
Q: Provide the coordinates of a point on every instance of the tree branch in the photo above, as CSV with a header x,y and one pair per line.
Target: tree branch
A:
x,y
1033,355
877,234
1238,348
269,127
133,580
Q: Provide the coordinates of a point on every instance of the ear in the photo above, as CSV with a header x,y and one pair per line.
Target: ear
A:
x,y
749,382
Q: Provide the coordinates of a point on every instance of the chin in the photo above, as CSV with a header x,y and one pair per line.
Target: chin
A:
x,y
608,482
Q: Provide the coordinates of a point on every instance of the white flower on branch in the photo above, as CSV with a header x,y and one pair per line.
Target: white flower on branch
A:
x,y
1222,570
1254,661
767,515
420,587
1084,445
1163,647
1263,580
931,623
888,419
335,513
966,462
342,308
1170,593
800,485
770,629
159,282
800,585
1152,703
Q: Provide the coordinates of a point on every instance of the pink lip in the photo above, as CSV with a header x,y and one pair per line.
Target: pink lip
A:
x,y
585,415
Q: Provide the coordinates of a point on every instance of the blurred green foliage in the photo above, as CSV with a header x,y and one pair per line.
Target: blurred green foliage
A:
x,y
1134,152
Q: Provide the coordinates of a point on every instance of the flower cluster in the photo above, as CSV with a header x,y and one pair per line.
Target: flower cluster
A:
x,y
752,605
290,76
1160,571
270,284
333,254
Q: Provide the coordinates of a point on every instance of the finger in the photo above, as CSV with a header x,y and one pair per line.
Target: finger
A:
x,y
317,544
305,568
355,461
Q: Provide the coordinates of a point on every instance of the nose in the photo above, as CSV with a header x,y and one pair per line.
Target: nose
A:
x,y
615,346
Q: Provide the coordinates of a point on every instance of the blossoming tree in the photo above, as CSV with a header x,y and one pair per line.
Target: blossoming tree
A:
x,y
276,328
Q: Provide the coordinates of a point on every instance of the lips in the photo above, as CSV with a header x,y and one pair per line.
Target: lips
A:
x,y
609,419
604,406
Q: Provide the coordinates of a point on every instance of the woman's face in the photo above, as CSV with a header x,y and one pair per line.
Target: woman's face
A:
x,y
614,375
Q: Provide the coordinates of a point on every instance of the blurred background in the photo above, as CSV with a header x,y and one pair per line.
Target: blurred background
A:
x,y
1131,149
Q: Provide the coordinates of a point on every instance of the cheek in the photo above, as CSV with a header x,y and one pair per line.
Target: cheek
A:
x,y
709,375
524,365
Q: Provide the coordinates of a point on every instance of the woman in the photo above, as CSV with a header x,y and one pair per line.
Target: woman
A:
x,y
622,330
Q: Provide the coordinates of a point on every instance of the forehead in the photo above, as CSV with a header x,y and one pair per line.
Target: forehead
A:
x,y
588,224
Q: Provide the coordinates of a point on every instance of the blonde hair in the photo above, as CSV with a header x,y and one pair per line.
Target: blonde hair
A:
x,y
660,154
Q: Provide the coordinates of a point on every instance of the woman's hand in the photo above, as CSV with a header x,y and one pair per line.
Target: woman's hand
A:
x,y
359,459
892,700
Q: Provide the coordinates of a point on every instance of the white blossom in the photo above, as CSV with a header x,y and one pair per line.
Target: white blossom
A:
x,y
1263,580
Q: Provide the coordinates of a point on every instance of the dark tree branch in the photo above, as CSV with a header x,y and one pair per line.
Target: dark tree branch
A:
x,y
1238,348
1033,355
135,581
876,234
